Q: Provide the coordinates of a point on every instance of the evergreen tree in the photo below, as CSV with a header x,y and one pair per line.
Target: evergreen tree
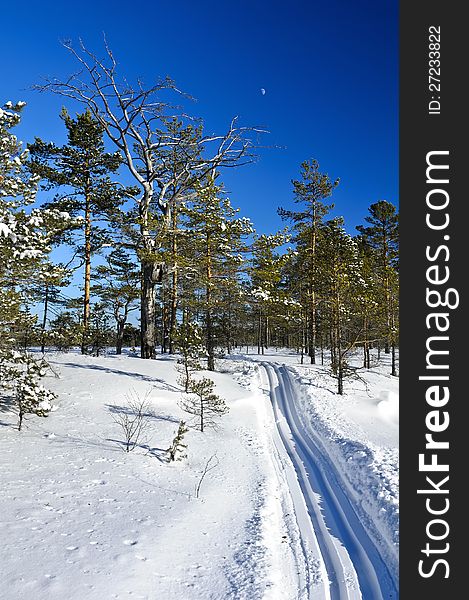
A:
x,y
338,263
311,190
177,449
47,291
203,403
99,332
22,373
26,235
118,289
216,245
382,236
64,331
188,341
81,170
267,296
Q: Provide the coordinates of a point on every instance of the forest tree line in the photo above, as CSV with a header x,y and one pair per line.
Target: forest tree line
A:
x,y
136,195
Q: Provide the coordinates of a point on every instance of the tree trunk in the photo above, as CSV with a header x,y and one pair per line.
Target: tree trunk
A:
x,y
174,282
87,283
393,361
312,333
208,318
165,325
148,306
201,416
366,344
173,310
120,336
259,332
20,419
340,359
312,338
44,319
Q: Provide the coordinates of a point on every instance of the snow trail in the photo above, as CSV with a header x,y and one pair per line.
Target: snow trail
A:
x,y
354,567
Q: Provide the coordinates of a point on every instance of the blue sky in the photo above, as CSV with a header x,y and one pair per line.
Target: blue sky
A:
x,y
330,71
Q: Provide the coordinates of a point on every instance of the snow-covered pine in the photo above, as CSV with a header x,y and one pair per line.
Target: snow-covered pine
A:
x,y
21,372
25,241
177,449
25,233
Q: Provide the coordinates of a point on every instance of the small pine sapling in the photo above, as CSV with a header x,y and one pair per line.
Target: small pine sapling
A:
x,y
201,402
177,449
188,341
22,373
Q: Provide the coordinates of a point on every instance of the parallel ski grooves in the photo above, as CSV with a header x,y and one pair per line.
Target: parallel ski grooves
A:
x,y
341,536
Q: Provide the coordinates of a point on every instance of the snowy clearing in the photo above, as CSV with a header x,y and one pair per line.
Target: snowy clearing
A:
x,y
83,519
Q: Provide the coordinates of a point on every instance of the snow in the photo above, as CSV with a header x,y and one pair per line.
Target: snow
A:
x,y
360,433
81,518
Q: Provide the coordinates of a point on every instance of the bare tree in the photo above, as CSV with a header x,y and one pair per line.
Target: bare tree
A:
x,y
138,121
133,419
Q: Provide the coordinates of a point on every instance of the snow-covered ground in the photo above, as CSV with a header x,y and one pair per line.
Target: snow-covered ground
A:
x,y
82,519
359,431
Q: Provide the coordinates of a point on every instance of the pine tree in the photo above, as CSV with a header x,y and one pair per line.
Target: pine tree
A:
x,y
201,402
177,449
338,268
267,297
188,341
64,331
25,232
47,291
26,235
312,190
118,289
22,372
382,236
81,171
215,244
99,332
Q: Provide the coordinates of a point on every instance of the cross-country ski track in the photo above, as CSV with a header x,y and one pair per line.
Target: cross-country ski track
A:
x,y
354,568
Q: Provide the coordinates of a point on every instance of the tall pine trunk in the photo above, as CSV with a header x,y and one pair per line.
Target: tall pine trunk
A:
x,y
120,336
87,282
312,331
210,342
44,319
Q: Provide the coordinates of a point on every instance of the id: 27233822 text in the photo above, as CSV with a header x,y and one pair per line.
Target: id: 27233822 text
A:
x,y
434,70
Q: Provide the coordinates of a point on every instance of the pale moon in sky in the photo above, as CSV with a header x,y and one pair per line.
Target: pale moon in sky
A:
x,y
263,91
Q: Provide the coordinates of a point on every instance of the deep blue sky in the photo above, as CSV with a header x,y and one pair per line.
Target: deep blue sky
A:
x,y
330,71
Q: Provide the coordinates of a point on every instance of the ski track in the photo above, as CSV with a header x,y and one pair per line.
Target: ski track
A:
x,y
353,565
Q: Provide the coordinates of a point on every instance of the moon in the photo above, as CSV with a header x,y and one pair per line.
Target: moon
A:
x,y
263,91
